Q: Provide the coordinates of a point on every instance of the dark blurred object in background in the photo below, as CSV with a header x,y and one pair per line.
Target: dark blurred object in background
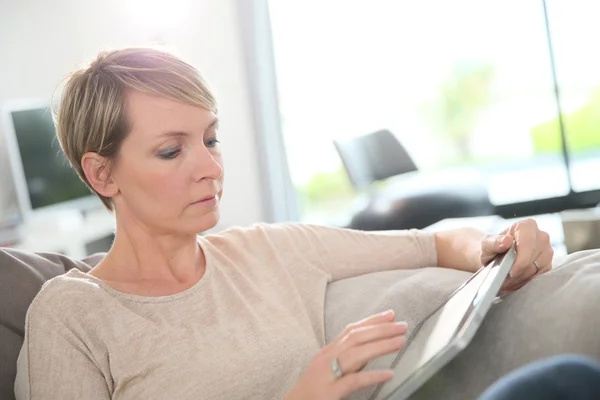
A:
x,y
401,197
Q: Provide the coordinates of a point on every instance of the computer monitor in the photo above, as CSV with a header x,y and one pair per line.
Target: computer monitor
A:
x,y
43,177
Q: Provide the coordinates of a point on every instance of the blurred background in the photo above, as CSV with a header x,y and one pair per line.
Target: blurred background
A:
x,y
375,114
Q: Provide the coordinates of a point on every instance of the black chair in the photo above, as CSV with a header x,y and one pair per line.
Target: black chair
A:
x,y
373,157
409,199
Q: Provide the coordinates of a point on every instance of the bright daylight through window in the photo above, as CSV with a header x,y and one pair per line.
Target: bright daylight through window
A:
x,y
465,84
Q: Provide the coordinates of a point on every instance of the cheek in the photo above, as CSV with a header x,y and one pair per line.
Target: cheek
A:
x,y
219,160
170,186
166,187
156,182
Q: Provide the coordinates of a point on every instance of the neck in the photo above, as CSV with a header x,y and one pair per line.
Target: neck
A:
x,y
138,254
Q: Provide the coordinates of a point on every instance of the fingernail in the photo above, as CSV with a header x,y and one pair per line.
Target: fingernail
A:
x,y
399,341
402,326
387,312
500,241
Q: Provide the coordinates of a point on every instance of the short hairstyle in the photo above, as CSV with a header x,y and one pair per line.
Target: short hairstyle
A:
x,y
91,115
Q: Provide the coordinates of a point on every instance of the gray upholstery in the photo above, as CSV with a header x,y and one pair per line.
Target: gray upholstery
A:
x,y
556,313
22,275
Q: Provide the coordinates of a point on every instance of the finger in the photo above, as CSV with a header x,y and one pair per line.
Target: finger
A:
x,y
350,383
512,286
525,234
383,317
519,281
544,260
492,245
355,358
367,334
515,283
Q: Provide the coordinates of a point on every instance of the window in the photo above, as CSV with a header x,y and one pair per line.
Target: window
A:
x,y
463,85
574,31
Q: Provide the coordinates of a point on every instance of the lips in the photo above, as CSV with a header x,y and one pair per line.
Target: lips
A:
x,y
204,199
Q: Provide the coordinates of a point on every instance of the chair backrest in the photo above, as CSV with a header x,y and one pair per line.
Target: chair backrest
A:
x,y
373,157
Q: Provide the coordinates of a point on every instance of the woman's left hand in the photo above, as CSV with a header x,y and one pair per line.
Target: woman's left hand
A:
x,y
534,252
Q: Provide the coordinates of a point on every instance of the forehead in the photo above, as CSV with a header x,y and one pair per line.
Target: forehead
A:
x,y
153,115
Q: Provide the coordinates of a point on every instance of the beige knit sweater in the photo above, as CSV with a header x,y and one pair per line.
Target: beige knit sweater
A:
x,y
247,329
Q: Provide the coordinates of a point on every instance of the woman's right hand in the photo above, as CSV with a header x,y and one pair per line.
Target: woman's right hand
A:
x,y
357,345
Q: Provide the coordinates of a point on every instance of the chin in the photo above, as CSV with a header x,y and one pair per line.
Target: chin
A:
x,y
205,222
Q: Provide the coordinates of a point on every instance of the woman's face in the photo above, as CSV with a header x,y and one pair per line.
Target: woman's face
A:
x,y
169,171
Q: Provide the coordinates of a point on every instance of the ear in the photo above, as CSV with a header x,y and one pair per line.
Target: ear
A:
x,y
98,173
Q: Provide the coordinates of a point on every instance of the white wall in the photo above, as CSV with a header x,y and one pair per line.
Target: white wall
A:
x,y
41,41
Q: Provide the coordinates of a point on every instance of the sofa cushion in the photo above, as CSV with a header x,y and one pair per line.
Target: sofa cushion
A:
x,y
22,275
412,294
554,314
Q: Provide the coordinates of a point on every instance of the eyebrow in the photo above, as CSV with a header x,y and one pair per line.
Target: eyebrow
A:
x,y
214,123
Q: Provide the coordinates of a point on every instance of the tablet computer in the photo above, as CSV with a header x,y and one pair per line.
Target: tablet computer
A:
x,y
447,331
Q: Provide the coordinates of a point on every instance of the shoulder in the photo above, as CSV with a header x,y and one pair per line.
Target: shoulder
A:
x,y
266,246
287,243
268,234
65,296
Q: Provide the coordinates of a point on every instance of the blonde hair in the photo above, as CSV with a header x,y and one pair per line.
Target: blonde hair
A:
x,y
91,116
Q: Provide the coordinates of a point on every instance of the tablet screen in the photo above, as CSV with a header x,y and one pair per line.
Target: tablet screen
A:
x,y
436,332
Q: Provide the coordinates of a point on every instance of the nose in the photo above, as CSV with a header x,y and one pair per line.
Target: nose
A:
x,y
206,165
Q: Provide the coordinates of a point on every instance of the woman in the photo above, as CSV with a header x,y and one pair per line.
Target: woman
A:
x,y
236,315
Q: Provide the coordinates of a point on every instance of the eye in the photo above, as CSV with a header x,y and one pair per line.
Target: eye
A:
x,y
169,154
212,142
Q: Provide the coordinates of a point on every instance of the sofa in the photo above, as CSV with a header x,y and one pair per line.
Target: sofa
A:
x,y
556,313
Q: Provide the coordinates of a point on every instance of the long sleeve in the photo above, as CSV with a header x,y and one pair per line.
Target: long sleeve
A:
x,y
54,363
343,253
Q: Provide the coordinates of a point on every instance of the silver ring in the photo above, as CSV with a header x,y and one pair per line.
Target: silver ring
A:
x,y
537,267
336,369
